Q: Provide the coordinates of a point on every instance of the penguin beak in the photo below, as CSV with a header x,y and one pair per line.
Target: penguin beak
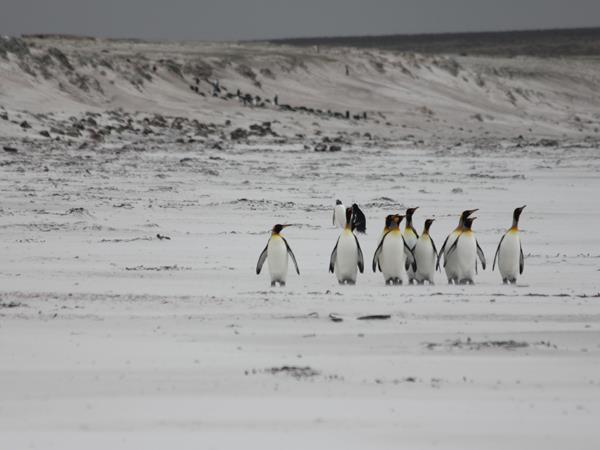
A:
x,y
522,207
471,211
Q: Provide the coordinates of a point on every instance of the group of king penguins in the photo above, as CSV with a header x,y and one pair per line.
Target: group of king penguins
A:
x,y
403,256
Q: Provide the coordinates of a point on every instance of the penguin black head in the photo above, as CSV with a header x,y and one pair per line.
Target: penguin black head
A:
x,y
277,228
349,218
466,213
388,220
427,225
338,202
469,222
409,214
517,214
396,219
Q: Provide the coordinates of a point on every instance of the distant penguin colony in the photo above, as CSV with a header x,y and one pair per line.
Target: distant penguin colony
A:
x,y
402,256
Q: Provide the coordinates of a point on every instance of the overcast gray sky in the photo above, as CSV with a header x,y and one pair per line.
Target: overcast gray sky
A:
x,y
258,19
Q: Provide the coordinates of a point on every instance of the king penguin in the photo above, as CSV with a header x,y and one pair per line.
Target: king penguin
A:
x,y
410,237
510,252
347,257
276,254
425,255
449,265
463,253
393,256
339,214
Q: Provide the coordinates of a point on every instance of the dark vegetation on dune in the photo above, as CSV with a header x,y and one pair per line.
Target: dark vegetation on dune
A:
x,y
545,43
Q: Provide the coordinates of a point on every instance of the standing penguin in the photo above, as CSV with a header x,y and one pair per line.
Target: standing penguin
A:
x,y
276,253
393,256
339,214
425,256
410,237
449,265
464,252
347,257
509,252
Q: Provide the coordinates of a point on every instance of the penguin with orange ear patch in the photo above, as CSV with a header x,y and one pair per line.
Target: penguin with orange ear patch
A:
x,y
509,253
425,255
276,254
464,253
347,257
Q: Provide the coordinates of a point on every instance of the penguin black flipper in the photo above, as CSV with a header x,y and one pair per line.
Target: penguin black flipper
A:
x,y
497,250
521,259
377,254
415,231
441,253
410,257
361,261
435,252
481,255
452,248
359,221
333,257
291,253
261,260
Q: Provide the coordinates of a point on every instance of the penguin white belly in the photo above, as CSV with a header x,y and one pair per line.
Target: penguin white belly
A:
x,y
411,240
466,256
509,255
392,258
339,214
425,258
277,259
346,261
